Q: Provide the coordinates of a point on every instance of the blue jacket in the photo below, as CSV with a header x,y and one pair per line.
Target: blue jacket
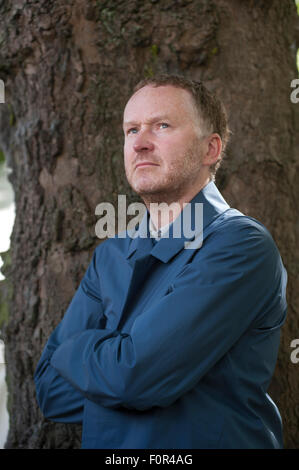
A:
x,y
168,347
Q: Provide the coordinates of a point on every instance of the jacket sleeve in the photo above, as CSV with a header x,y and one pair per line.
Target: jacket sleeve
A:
x,y
237,283
57,398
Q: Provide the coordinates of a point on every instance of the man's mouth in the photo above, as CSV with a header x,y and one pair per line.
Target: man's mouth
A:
x,y
141,164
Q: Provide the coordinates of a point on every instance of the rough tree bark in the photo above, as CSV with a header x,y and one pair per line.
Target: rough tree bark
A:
x,y
69,67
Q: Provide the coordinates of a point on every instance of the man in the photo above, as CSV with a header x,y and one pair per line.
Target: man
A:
x,y
166,345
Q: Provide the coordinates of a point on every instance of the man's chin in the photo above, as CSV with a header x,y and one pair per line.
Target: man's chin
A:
x,y
147,187
153,189
146,191
154,193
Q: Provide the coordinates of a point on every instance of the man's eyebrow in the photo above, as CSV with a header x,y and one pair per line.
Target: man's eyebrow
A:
x,y
149,121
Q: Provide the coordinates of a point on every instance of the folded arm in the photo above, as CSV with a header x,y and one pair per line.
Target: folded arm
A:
x,y
57,398
234,285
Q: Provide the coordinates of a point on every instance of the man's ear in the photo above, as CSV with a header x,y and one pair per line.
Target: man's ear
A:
x,y
212,149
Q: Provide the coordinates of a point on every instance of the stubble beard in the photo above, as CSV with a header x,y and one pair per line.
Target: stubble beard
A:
x,y
181,175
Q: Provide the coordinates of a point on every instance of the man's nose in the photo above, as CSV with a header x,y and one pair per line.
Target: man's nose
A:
x,y
143,142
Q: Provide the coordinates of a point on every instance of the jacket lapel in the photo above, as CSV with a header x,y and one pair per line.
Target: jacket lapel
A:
x,y
143,253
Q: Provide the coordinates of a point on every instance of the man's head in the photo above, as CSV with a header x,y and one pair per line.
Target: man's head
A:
x,y
180,129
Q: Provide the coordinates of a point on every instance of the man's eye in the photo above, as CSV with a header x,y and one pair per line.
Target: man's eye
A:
x,y
164,125
132,130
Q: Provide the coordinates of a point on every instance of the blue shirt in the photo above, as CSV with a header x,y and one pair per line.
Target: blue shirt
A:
x,y
168,347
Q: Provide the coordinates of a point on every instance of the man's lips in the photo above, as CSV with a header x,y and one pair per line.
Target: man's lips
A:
x,y
145,164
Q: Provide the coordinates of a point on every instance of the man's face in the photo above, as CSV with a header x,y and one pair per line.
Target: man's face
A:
x,y
162,149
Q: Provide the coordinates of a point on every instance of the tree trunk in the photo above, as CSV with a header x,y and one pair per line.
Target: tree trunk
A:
x,y
68,67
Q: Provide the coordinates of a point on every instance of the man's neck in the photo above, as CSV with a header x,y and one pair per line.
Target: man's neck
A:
x,y
164,214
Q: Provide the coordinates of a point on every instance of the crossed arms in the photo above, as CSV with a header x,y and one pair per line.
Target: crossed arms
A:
x,y
235,284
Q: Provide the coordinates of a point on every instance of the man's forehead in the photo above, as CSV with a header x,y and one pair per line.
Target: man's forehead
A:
x,y
158,100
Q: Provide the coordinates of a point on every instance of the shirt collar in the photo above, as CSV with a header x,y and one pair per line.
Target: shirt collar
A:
x,y
157,233
213,205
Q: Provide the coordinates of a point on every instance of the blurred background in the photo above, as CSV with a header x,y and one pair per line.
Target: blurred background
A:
x,y
7,214
69,67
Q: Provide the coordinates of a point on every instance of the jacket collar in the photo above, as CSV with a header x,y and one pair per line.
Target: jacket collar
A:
x,y
213,205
